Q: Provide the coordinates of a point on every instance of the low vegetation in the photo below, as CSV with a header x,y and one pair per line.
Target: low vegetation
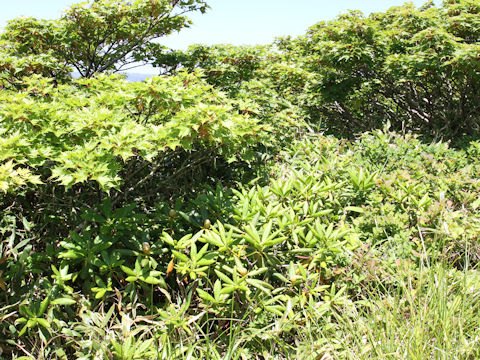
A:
x,y
267,202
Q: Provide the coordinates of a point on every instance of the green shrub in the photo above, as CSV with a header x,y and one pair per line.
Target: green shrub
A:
x,y
319,235
413,67
198,215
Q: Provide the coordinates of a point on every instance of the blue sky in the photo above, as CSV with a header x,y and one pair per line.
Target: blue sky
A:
x,y
235,22
260,21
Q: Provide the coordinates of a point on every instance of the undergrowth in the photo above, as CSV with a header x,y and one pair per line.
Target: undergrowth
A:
x,y
349,250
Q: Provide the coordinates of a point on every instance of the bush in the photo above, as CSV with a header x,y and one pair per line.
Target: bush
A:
x,y
413,67
198,215
320,234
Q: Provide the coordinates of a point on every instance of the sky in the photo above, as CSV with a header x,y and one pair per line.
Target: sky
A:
x,y
237,22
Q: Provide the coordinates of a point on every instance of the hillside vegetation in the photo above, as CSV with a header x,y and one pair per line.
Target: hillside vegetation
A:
x,y
317,198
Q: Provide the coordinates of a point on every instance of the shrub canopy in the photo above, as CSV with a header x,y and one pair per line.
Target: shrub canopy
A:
x,y
416,68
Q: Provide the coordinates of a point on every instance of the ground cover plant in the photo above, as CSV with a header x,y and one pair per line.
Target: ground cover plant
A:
x,y
288,201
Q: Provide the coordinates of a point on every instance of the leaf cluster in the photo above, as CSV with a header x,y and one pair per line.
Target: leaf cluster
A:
x,y
415,68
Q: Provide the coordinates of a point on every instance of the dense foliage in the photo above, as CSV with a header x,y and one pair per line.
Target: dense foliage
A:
x,y
93,36
258,75
416,68
81,131
335,219
201,214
